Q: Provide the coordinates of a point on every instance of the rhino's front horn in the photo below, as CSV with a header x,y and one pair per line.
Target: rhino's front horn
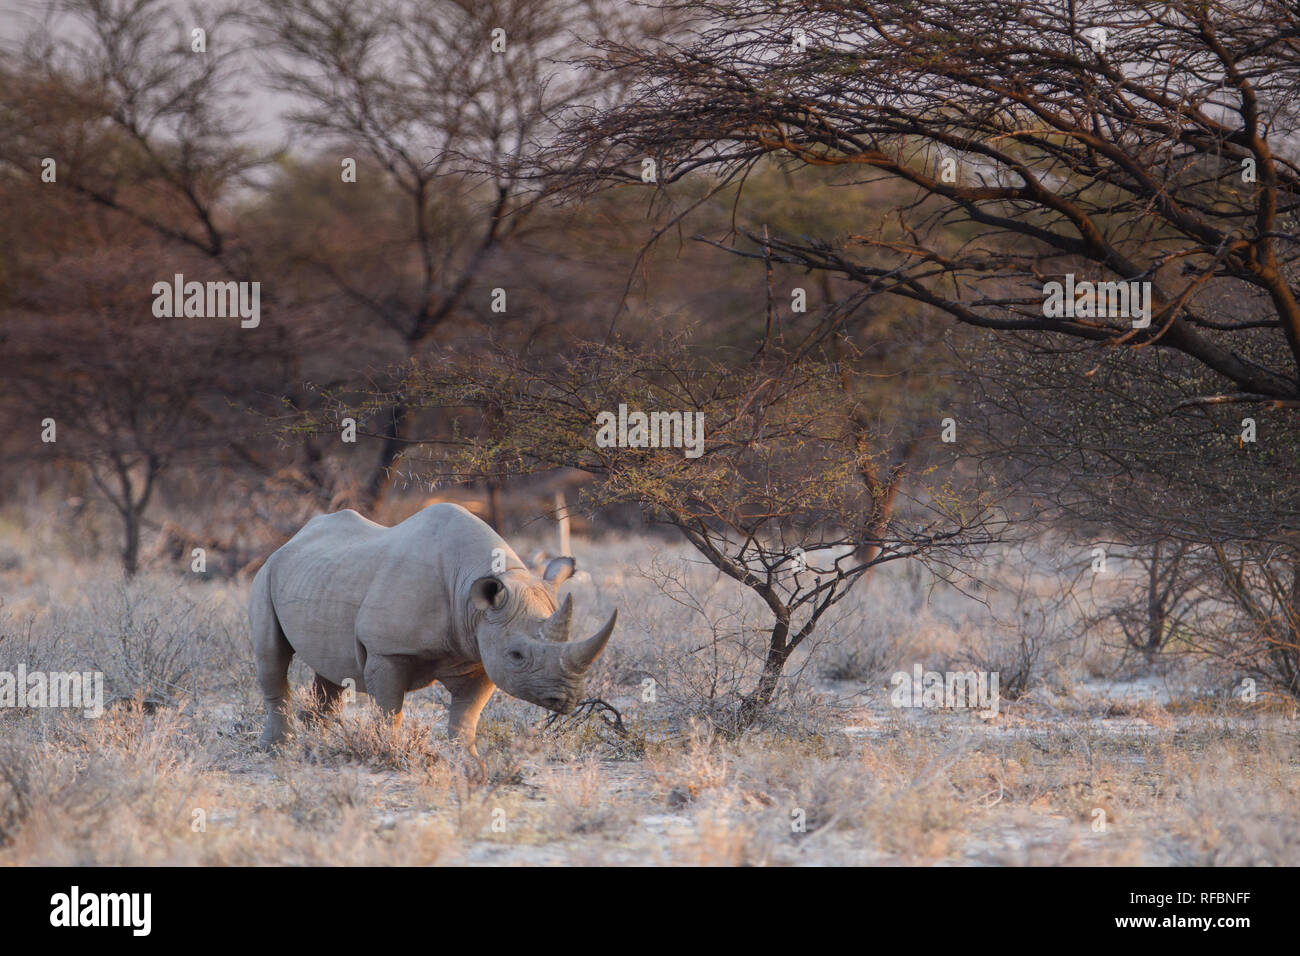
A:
x,y
556,627
580,656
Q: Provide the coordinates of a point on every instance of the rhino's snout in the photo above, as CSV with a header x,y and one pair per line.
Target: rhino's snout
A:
x,y
561,705
562,699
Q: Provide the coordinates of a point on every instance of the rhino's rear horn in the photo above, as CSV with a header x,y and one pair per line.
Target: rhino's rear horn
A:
x,y
580,656
557,627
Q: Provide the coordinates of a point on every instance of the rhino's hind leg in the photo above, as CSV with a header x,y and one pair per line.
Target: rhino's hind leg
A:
x,y
325,697
273,656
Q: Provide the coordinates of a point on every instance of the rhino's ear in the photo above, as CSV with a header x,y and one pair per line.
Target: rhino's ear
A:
x,y
559,570
487,592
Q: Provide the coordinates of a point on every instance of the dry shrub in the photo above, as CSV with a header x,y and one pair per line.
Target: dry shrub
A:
x,y
114,790
152,637
725,838
583,803
1239,806
361,734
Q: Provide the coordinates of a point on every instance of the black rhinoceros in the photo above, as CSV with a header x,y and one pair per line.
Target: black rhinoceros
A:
x,y
394,609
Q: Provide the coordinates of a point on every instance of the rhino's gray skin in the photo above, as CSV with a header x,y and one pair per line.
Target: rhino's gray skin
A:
x,y
395,609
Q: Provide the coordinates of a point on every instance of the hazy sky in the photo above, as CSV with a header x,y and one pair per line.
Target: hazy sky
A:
x,y
261,107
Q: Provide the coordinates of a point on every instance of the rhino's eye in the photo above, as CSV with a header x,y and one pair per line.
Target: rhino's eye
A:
x,y
515,656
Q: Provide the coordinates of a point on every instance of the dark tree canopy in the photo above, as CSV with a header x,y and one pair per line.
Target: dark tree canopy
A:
x,y
1142,141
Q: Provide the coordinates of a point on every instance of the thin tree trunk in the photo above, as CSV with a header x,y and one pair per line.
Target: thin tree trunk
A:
x,y
131,542
757,702
1155,609
381,477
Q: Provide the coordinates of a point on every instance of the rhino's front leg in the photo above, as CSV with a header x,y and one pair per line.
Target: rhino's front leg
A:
x,y
468,696
387,679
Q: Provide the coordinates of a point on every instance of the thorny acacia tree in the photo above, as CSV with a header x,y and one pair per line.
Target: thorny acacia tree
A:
x,y
1165,152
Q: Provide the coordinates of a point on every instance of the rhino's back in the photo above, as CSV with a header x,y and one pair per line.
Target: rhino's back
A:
x,y
318,581
326,560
